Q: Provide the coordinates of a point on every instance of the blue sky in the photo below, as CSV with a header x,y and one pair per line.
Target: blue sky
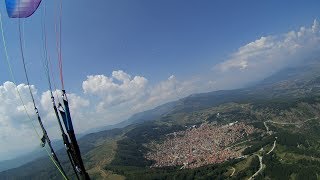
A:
x,y
122,57
153,38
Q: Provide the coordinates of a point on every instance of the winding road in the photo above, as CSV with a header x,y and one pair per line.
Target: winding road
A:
x,y
265,125
284,123
233,171
275,141
274,145
260,169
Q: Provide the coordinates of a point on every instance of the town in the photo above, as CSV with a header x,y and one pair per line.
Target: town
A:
x,y
199,146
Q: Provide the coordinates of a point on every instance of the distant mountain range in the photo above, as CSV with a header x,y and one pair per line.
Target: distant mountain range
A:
x,y
35,154
297,81
16,162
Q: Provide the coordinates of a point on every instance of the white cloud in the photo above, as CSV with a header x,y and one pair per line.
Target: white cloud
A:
x,y
117,97
15,127
114,90
168,90
267,55
17,134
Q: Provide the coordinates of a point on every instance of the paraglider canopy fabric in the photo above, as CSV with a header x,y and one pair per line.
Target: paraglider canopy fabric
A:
x,y
21,8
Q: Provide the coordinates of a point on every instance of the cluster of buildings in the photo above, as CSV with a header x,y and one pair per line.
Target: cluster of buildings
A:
x,y
199,146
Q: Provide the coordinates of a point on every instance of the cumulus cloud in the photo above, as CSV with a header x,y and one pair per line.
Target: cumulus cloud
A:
x,y
122,91
17,133
168,90
114,90
268,55
14,124
118,96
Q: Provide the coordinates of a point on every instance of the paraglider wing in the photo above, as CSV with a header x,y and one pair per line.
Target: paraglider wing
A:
x,y
21,8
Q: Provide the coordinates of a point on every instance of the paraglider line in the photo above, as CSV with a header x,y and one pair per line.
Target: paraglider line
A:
x,y
46,64
20,97
45,135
